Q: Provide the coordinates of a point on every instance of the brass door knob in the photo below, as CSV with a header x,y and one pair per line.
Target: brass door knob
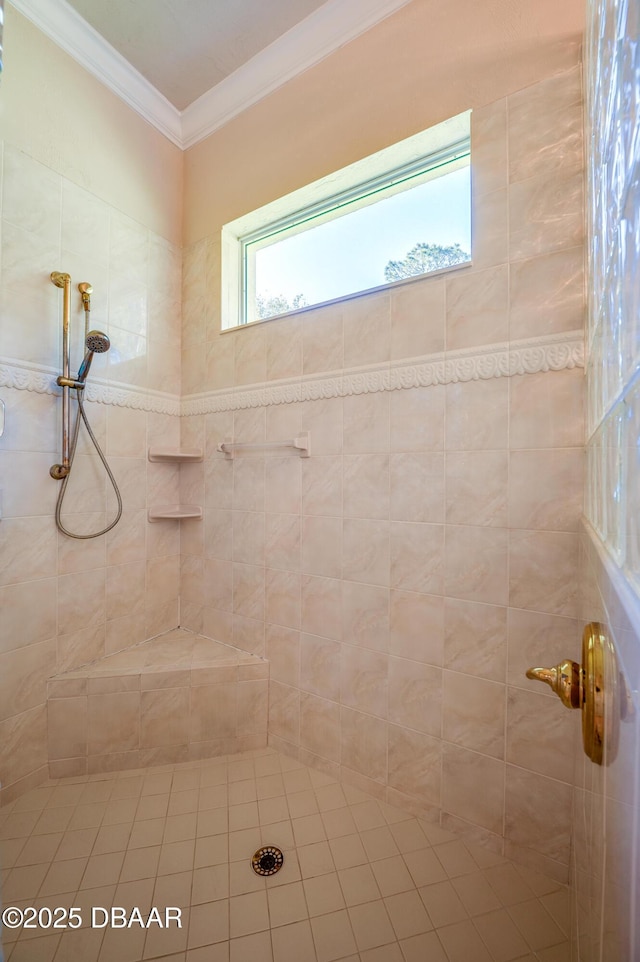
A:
x,y
581,686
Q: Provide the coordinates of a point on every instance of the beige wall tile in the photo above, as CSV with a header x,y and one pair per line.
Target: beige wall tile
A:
x,y
367,330
283,598
23,677
67,727
366,423
252,707
164,717
363,680
24,744
248,590
125,587
475,638
27,550
535,399
477,415
529,799
539,737
320,726
283,484
417,318
366,486
365,615
489,234
248,536
417,556
363,741
415,696
417,419
477,564
415,763
477,308
320,666
322,486
322,546
284,712
322,340
282,541
545,489
476,487
543,571
546,294
284,348
321,614
213,712
250,358
473,713
545,214
366,551
28,616
417,487
283,654
113,723
462,772
489,147
545,126
416,626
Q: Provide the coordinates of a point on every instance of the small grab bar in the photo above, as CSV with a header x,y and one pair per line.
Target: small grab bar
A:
x,y
228,447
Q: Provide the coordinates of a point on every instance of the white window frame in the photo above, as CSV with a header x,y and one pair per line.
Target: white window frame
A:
x,y
406,164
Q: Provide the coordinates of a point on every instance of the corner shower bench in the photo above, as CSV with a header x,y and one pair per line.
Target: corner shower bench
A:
x,y
178,697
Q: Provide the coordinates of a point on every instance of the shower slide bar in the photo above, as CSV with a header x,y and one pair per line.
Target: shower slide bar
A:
x,y
96,342
228,447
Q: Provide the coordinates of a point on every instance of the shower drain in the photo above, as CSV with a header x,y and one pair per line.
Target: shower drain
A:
x,y
267,860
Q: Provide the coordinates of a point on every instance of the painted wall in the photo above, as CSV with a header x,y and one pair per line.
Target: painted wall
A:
x,y
402,578
606,861
88,188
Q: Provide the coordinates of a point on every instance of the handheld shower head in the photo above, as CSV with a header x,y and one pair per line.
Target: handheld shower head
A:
x,y
96,343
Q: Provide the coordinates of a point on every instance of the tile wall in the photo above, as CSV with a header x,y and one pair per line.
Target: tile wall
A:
x,y
606,808
67,602
402,579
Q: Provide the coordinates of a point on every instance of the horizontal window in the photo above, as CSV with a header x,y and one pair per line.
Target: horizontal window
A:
x,y
411,215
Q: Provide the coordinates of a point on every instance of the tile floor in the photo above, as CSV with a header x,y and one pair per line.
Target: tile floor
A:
x,y
361,881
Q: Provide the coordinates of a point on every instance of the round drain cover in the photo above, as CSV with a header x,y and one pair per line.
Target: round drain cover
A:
x,y
267,860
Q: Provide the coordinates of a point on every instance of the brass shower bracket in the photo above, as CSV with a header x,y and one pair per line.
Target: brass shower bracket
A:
x,y
582,686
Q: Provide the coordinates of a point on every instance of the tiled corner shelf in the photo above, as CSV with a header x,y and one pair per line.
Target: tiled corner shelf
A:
x,y
175,455
175,512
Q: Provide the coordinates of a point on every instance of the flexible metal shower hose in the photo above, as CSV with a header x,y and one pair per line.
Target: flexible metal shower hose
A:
x,y
63,487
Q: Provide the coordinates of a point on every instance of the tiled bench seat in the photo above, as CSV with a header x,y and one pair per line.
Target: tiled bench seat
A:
x,y
176,698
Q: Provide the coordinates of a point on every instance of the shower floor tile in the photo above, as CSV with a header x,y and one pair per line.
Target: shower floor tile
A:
x,y
361,881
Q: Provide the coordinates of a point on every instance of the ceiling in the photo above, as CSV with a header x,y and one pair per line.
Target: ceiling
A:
x,y
190,66
185,47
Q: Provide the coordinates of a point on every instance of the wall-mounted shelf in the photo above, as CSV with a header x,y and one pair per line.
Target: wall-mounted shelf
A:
x,y
175,512
175,455
301,444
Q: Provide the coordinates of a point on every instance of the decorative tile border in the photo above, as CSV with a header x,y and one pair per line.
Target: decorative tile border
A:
x,y
23,376
557,352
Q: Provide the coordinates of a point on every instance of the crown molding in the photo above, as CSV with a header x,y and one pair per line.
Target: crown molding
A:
x,y
63,24
535,355
331,26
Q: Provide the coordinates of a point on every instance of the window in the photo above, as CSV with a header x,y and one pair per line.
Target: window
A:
x,y
402,212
